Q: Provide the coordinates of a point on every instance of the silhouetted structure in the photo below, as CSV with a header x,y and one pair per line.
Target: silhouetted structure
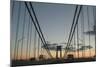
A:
x,y
70,56
42,59
59,49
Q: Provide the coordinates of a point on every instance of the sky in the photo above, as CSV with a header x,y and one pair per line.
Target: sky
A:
x,y
55,21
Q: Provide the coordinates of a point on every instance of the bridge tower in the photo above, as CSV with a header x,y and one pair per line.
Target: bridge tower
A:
x,y
59,48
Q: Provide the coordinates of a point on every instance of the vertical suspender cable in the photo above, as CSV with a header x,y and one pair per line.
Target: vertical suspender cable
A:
x,y
35,38
74,43
17,30
30,39
38,46
17,53
77,41
23,33
27,40
41,48
94,15
11,22
82,32
12,9
89,30
17,49
83,36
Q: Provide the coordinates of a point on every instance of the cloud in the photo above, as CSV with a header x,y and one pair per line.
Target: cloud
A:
x,y
93,32
85,47
90,32
70,48
50,46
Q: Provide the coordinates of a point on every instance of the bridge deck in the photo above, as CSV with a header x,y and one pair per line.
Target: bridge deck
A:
x,y
49,61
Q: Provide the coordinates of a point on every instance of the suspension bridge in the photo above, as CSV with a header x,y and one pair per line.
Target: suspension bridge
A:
x,y
30,47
